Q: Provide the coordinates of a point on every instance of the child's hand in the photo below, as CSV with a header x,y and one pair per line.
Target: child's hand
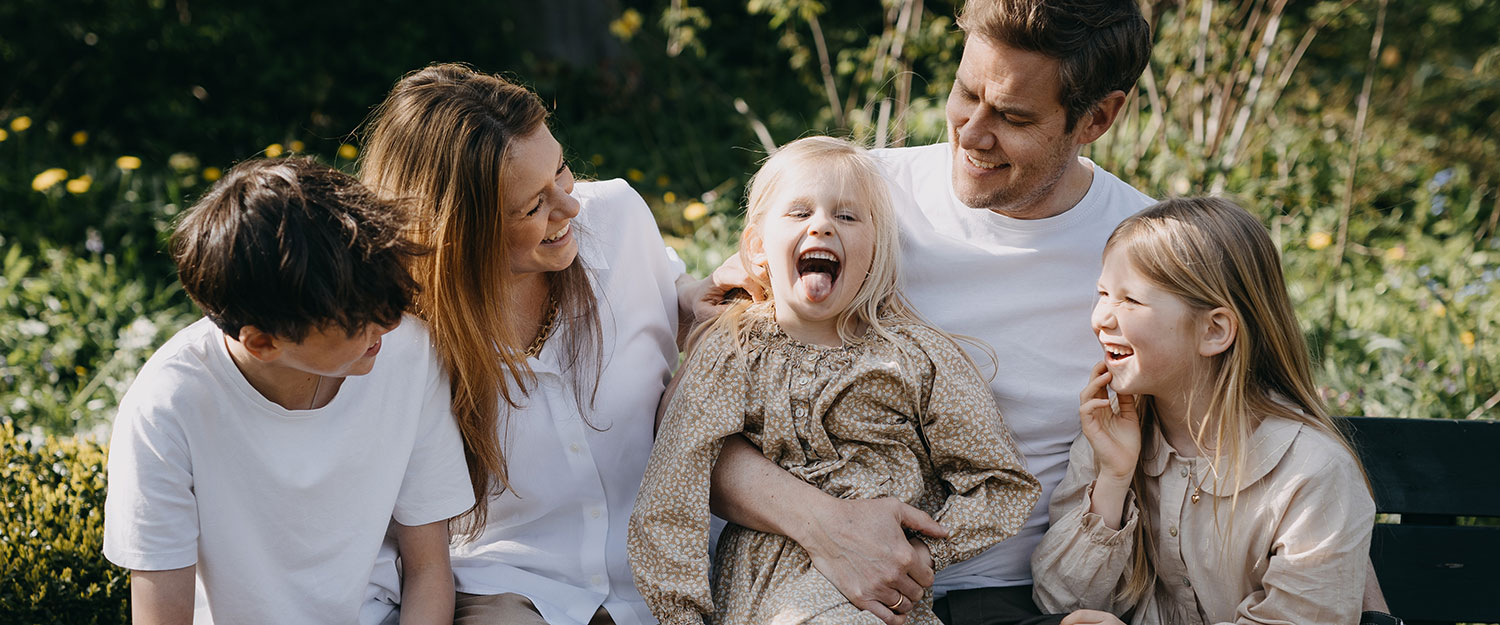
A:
x,y
1091,617
1115,437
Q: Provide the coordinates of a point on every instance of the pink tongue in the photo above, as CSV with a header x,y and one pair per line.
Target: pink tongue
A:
x,y
817,285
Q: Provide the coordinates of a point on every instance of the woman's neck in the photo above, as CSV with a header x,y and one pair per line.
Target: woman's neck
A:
x,y
529,297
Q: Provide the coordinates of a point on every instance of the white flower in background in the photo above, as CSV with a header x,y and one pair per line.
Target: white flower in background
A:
x,y
137,336
32,327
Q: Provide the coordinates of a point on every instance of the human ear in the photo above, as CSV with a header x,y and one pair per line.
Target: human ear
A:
x,y
1099,119
1219,331
262,345
751,247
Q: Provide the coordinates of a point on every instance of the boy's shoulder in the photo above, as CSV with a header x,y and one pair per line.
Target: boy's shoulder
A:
x,y
191,355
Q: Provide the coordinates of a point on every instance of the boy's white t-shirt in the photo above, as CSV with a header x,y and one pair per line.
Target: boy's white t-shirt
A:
x,y
281,510
1026,289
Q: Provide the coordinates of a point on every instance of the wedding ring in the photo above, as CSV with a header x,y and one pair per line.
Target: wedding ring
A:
x,y
898,603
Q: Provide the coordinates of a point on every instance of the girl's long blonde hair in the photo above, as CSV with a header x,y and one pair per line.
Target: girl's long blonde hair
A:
x,y
879,299
1213,254
441,139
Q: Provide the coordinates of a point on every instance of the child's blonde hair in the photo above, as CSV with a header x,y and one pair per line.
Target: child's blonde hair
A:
x,y
1211,253
850,166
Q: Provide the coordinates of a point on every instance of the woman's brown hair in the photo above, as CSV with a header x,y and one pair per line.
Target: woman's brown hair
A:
x,y
441,138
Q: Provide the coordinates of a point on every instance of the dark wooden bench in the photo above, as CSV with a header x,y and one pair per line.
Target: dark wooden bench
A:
x,y
1441,562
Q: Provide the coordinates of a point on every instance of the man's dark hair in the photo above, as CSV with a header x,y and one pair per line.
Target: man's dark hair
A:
x,y
290,246
1103,45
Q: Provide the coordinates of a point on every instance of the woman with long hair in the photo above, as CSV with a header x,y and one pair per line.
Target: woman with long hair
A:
x,y
552,303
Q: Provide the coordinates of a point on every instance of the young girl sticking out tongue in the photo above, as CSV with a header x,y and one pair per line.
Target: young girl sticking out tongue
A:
x,y
1213,488
836,380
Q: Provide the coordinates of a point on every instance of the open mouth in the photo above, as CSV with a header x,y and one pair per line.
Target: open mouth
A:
x,y
982,164
559,234
817,270
1117,353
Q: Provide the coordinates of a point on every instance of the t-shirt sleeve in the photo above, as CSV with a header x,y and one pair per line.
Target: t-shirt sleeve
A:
x,y
436,485
150,511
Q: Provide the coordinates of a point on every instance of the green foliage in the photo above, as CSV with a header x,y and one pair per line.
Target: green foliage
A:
x,y
53,530
73,332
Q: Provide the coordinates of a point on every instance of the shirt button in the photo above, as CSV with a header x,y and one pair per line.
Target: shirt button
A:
x,y
1187,582
1183,472
1172,531
595,513
596,580
801,411
573,448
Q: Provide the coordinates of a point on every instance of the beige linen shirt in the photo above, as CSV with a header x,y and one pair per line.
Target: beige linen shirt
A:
x,y
1298,537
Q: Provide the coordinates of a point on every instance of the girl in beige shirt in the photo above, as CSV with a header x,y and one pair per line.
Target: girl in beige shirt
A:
x,y
837,382
1212,487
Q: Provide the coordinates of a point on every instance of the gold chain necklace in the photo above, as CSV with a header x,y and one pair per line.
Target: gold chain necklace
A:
x,y
543,333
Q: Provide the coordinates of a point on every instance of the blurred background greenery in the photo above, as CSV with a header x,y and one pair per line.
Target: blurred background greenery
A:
x,y
1362,132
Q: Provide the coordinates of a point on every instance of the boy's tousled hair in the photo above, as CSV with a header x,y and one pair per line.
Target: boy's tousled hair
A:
x,y
290,246
1211,253
1103,45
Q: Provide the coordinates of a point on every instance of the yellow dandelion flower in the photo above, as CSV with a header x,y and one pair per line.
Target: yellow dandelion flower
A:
x,y
182,161
212,173
1439,310
297,146
20,124
1396,253
79,370
635,175
348,152
128,163
80,184
663,180
49,178
79,138
669,197
597,159
1319,240
274,150
627,24
695,211
1467,338
4,135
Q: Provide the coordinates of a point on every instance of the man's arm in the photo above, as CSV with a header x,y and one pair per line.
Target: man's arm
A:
x,y
858,544
162,597
426,576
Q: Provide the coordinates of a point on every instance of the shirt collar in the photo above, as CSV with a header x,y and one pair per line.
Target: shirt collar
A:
x,y
1268,443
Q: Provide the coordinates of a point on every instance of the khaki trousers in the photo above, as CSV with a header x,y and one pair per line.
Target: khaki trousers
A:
x,y
506,609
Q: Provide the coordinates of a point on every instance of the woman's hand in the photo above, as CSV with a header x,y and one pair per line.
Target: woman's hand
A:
x,y
1091,617
1116,440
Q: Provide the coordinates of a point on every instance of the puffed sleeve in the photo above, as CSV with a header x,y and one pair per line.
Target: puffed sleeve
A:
x,y
1081,563
668,534
1316,573
991,493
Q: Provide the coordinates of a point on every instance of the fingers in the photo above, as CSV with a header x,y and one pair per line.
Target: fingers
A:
x,y
916,520
1098,382
882,612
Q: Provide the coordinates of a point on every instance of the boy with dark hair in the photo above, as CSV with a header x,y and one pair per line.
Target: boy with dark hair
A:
x,y
263,452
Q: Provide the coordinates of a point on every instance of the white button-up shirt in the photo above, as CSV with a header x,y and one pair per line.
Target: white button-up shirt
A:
x,y
558,535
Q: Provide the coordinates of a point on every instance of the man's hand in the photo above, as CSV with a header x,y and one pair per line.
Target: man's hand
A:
x,y
861,547
1091,617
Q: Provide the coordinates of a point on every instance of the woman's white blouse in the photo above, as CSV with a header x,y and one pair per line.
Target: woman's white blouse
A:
x,y
558,535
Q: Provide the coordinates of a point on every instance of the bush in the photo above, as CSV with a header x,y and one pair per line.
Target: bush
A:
x,y
51,570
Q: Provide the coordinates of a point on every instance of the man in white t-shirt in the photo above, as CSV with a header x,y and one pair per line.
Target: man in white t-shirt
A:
x,y
1002,232
264,452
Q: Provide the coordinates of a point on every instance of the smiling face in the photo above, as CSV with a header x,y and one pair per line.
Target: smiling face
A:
x,y
1151,337
816,238
537,207
1008,129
